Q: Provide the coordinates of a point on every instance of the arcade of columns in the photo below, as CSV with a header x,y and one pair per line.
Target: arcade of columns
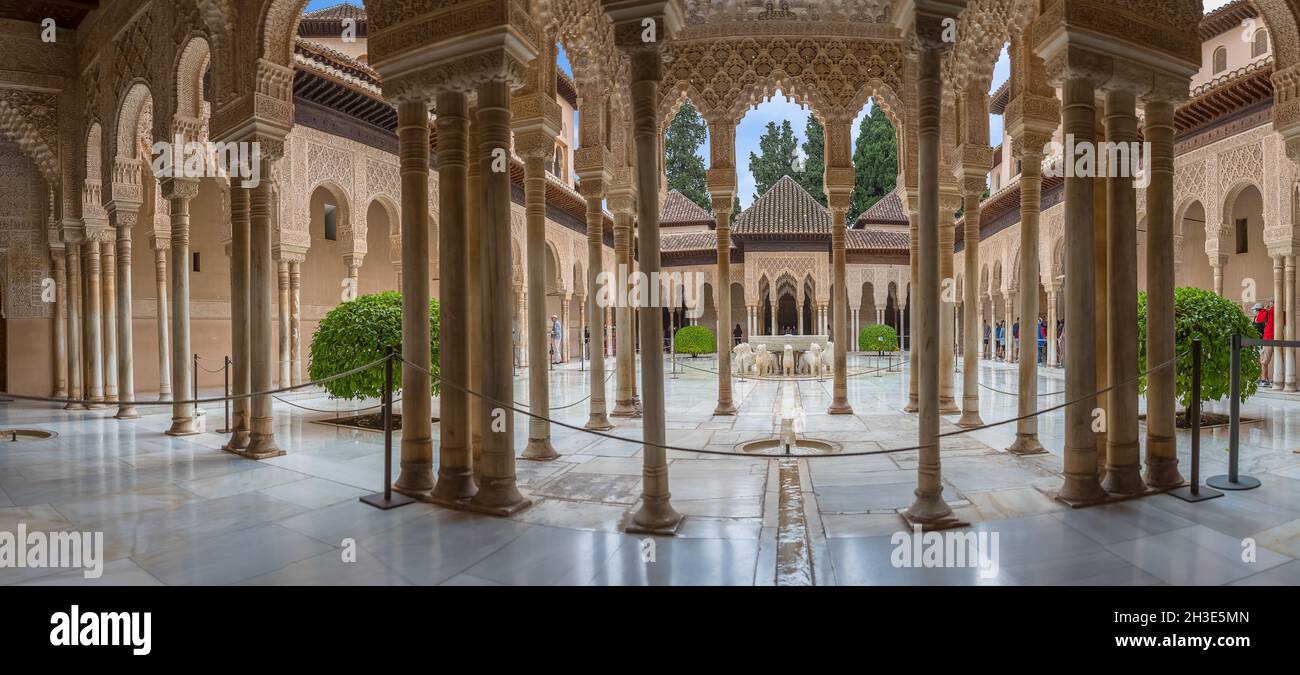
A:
x,y
640,59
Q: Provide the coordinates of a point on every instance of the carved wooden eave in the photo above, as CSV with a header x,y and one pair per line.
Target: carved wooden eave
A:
x,y
1157,36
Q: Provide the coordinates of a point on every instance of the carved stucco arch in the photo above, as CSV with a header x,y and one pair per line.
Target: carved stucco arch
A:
x,y
27,136
342,202
188,109
393,212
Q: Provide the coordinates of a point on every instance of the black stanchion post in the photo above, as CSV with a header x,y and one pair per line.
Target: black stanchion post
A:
x,y
225,370
1233,481
1193,491
386,499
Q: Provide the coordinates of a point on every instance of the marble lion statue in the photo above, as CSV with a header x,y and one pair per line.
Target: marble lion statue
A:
x,y
811,360
764,362
742,358
828,358
787,361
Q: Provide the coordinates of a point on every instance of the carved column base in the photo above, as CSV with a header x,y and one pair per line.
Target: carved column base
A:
x,y
182,426
929,510
840,408
627,409
127,413
262,445
238,441
498,497
415,479
454,485
541,450
1123,480
948,406
597,421
656,516
1081,489
1026,444
1162,473
725,408
970,418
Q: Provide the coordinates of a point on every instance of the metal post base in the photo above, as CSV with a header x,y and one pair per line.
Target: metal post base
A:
x,y
1185,493
381,501
1222,482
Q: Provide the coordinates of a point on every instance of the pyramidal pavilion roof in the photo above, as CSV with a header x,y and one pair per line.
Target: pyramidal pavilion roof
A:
x,y
343,10
887,211
678,209
786,208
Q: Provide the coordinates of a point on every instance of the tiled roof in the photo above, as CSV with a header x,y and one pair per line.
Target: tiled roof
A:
x,y
786,208
876,240
690,241
343,10
887,211
678,209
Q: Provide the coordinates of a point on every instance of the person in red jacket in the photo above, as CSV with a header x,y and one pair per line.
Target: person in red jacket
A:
x,y
1266,354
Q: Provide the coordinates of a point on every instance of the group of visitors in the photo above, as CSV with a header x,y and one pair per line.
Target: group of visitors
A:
x,y
1000,344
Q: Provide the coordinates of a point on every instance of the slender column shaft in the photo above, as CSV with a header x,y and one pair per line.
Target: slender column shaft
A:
x,y
163,323
1161,449
497,492
913,316
1123,454
1101,284
109,265
539,334
595,314
1031,183
970,393
241,373
75,338
261,291
625,363
1289,328
1078,112
284,323
416,477
929,505
182,373
473,262
125,328
1278,376
94,325
57,264
656,512
1051,323
723,290
295,320
947,237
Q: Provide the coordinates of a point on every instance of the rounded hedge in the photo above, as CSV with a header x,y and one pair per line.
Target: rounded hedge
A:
x,y
878,337
695,340
358,332
1200,314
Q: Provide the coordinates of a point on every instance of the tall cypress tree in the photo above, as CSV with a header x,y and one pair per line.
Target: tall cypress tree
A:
x,y
814,150
685,168
875,162
778,150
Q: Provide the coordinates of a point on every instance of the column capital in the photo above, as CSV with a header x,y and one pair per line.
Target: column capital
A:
x,y
178,188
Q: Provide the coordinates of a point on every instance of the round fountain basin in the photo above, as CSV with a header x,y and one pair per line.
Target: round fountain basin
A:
x,y
800,447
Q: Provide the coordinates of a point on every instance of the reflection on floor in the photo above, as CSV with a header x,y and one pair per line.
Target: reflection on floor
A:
x,y
179,511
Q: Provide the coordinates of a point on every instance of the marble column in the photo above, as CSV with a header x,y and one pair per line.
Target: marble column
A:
x,y
261,292
94,327
1289,328
913,316
160,245
1217,271
970,391
929,506
1031,183
1278,376
125,326
802,328
1052,294
295,318
474,294
1078,113
539,335
180,194
562,354
1123,453
497,491
594,314
416,476
240,373
625,354
283,325
75,337
1161,448
455,461
722,205
58,269
948,205
656,513
108,261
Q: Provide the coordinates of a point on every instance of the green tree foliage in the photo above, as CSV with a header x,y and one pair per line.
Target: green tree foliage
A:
x,y
1200,314
878,337
695,340
875,162
685,168
814,165
778,150
358,332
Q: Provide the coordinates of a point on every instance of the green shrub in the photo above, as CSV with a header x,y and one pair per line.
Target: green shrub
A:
x,y
358,332
1200,314
878,337
695,340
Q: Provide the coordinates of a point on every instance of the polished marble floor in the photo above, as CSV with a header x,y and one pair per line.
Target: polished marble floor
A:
x,y
180,511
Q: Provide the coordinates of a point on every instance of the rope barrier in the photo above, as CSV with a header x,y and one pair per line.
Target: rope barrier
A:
x,y
198,358
584,398
863,453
